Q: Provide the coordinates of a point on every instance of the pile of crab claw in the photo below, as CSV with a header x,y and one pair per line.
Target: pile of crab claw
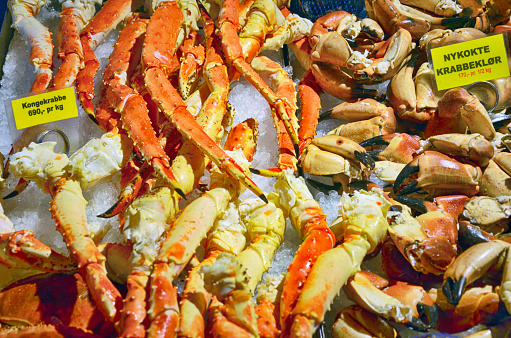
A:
x,y
423,175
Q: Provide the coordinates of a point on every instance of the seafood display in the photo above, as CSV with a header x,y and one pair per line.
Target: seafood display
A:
x,y
359,202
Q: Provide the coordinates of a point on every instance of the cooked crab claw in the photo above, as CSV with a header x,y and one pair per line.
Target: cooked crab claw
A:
x,y
402,302
410,169
428,316
472,264
345,147
453,289
416,204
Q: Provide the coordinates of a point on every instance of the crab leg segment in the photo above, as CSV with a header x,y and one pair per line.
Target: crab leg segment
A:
x,y
20,249
354,321
235,315
285,88
179,246
440,175
110,15
132,106
308,219
50,171
228,30
309,92
159,46
191,64
370,117
37,36
345,147
227,235
428,242
74,16
364,226
68,211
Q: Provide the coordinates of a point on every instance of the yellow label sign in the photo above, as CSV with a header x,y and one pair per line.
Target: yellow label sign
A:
x,y
467,62
44,108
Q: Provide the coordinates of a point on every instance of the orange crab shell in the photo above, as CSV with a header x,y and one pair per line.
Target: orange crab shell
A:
x,y
437,251
442,175
39,302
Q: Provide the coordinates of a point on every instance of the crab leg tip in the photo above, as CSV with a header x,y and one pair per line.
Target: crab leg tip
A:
x,y
365,158
431,313
453,290
374,141
263,198
285,54
104,215
360,184
300,172
414,203
180,192
11,195
410,188
325,115
407,171
255,171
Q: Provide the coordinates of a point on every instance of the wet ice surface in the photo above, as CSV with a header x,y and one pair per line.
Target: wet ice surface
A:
x,y
30,210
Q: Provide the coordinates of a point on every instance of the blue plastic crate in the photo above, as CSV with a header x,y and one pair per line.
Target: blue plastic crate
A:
x,y
313,9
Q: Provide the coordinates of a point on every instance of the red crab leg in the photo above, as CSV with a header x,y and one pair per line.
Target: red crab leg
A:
x,y
228,30
309,92
191,62
70,48
132,107
285,88
37,36
317,236
68,211
20,249
159,46
110,15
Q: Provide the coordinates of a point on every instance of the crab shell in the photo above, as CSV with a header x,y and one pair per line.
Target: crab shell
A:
x,y
457,111
496,181
61,300
478,305
441,175
429,244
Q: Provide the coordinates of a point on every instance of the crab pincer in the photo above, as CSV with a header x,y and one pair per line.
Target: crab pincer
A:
x,y
473,264
400,148
439,174
401,302
345,147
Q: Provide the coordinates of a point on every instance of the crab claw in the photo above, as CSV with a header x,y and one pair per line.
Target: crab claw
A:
x,y
410,169
345,147
472,264
453,289
416,204
428,316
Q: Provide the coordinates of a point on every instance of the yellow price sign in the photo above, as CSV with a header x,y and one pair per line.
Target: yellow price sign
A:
x,y
43,108
467,62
